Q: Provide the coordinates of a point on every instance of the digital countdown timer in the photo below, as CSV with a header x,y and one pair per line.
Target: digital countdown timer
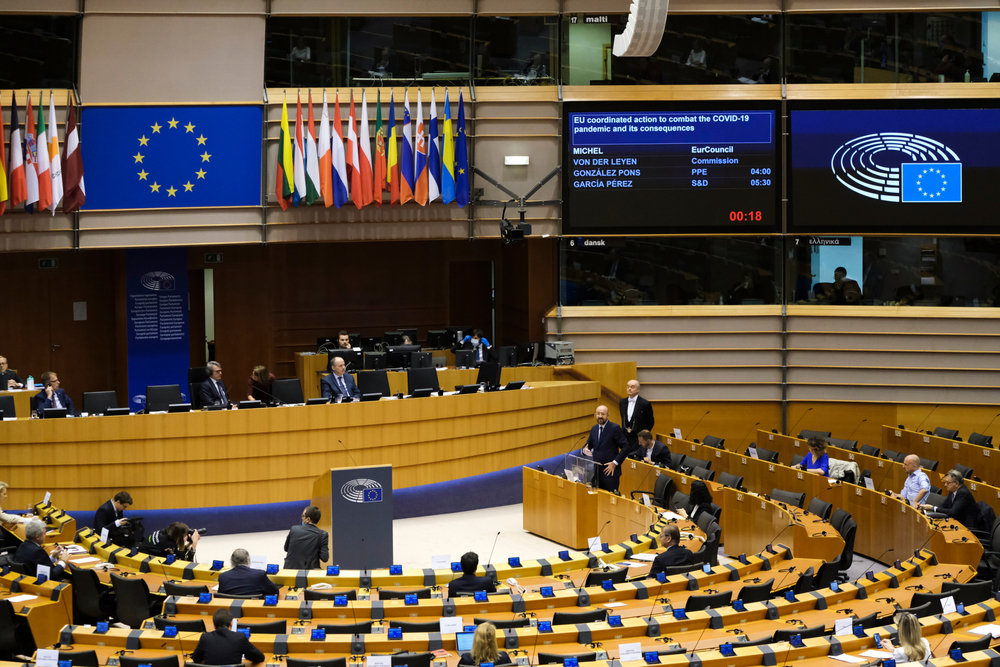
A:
x,y
656,170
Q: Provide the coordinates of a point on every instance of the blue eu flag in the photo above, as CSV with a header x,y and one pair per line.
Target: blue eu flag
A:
x,y
373,495
932,182
173,157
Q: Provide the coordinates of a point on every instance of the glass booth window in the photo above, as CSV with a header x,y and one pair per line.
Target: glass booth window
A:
x,y
670,271
696,49
38,51
516,50
894,271
364,51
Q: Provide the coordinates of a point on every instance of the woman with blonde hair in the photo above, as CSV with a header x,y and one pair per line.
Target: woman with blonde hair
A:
x,y
484,648
912,646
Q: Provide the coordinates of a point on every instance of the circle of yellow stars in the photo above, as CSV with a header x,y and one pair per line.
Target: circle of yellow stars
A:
x,y
931,195
144,141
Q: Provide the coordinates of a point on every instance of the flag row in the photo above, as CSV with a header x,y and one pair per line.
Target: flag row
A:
x,y
39,177
420,165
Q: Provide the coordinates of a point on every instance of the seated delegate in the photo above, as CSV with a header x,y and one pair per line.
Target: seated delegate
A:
x,y
52,396
675,554
817,460
244,580
469,583
484,648
32,554
223,646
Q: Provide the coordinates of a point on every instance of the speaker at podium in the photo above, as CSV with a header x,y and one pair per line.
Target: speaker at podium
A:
x,y
356,505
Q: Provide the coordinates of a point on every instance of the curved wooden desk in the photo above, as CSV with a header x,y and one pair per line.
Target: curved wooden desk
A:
x,y
240,457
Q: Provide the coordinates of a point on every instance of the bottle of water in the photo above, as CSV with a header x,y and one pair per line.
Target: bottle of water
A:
x,y
31,383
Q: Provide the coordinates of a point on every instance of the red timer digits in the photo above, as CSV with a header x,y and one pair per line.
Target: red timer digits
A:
x,y
749,216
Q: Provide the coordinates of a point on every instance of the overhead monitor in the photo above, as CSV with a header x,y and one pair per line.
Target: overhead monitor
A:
x,y
861,166
654,168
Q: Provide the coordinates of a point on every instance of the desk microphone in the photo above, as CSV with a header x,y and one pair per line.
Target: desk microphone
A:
x,y
856,428
888,469
534,647
782,531
691,432
352,460
740,446
490,560
991,421
791,430
707,624
928,416
873,565
280,402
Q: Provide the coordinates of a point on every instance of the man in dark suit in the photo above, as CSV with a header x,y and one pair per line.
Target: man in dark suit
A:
x,y
225,647
8,378
213,390
111,515
636,413
51,396
339,383
31,553
675,553
243,580
608,446
960,505
651,450
307,546
469,583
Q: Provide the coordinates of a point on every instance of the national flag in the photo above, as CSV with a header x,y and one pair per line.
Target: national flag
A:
x,y
406,184
55,164
353,161
338,160
325,156
378,182
312,158
365,153
420,166
42,161
433,155
283,187
3,169
30,156
461,159
298,157
392,159
448,156
74,194
18,187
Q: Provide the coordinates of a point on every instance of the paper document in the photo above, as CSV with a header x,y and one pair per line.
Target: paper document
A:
x,y
986,630
630,652
22,598
645,558
948,605
670,516
451,624
869,483
612,605
593,544
871,653
843,657
82,561
379,661
442,562
843,626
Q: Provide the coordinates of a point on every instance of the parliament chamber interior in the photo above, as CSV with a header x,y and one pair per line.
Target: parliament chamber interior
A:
x,y
630,333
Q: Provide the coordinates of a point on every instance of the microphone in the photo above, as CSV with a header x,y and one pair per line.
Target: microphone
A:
x,y
352,461
797,421
707,624
928,416
534,647
490,560
991,421
691,432
740,446
856,428
873,565
280,402
780,532
601,531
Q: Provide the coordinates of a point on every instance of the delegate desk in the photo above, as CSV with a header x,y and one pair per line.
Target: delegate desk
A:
x,y
22,401
883,522
886,474
47,607
243,457
60,527
946,452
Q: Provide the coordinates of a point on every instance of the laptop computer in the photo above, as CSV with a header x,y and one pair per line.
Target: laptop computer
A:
x,y
463,641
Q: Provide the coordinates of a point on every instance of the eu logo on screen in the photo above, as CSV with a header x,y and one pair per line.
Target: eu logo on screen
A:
x,y
373,495
938,182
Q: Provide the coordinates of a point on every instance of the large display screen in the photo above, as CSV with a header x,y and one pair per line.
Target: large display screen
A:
x,y
666,168
903,169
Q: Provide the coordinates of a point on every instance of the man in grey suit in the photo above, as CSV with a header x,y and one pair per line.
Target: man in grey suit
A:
x,y
307,546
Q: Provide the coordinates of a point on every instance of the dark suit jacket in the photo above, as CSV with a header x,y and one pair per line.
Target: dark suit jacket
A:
x,y
659,453
225,647
642,418
43,402
470,583
306,545
105,517
243,580
502,659
30,553
489,353
675,555
612,447
9,375
961,507
209,395
331,386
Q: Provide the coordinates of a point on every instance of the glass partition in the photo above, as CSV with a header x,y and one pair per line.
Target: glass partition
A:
x,y
516,50
683,270
38,51
696,49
